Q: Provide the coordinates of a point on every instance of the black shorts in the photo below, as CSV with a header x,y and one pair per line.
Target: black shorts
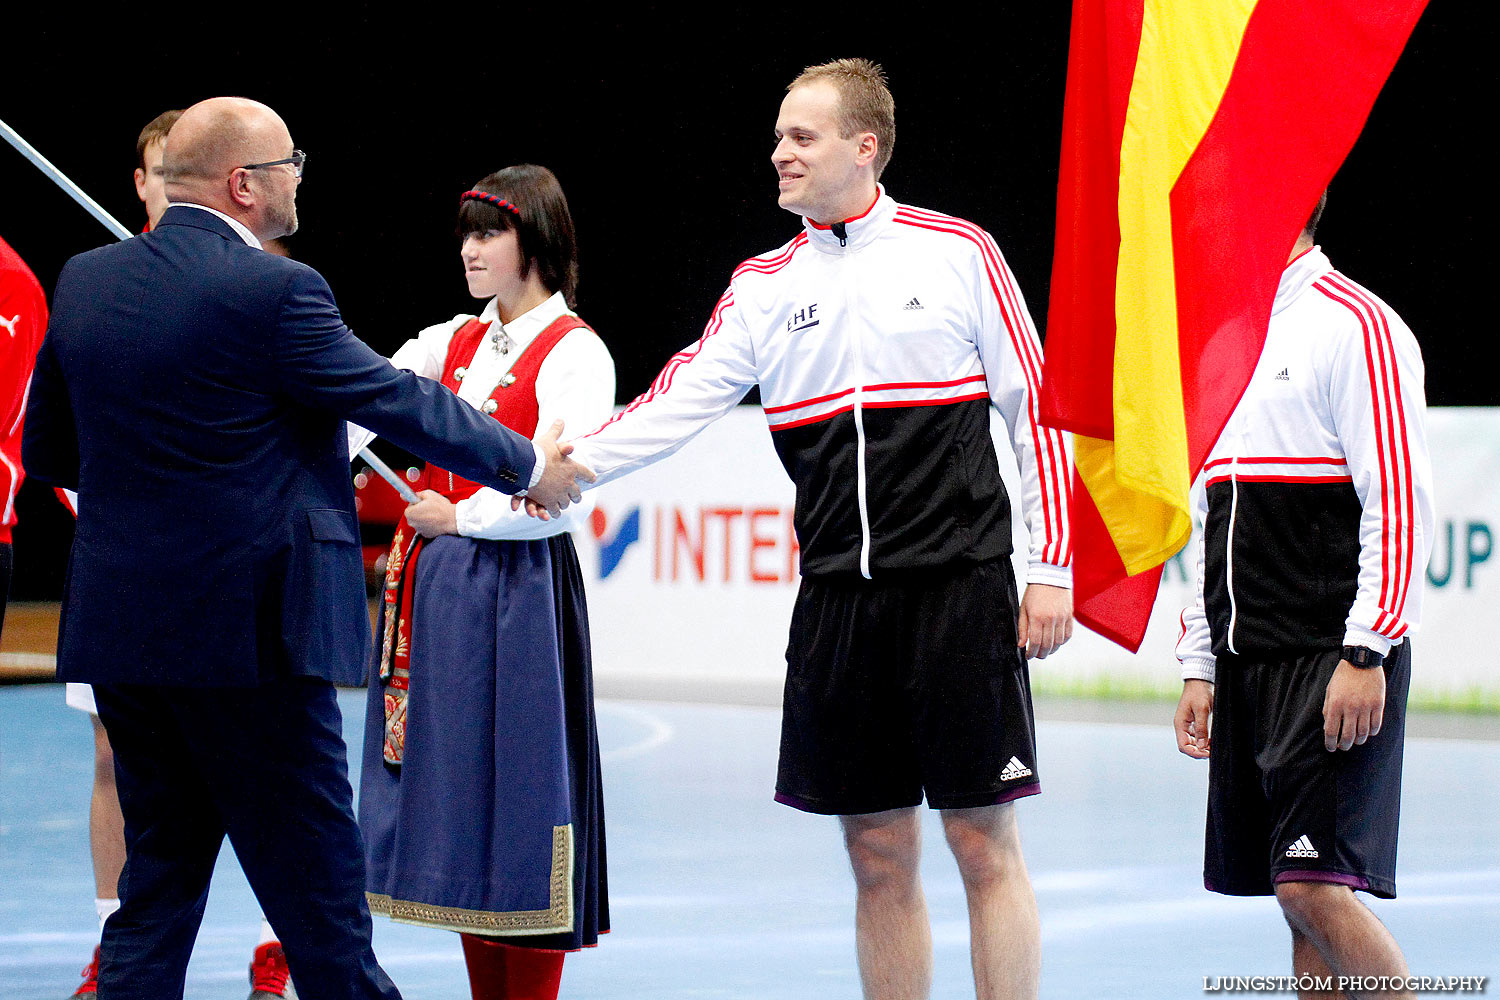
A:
x,y
1281,808
896,688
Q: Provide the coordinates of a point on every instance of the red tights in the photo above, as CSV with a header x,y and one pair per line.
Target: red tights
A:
x,y
502,972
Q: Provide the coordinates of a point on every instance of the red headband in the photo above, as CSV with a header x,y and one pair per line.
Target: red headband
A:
x,y
490,199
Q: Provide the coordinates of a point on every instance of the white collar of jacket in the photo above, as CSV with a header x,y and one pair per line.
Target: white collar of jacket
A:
x,y
1299,276
524,328
859,231
240,229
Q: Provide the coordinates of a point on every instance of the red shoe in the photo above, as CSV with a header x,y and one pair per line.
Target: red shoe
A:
x,y
269,976
90,974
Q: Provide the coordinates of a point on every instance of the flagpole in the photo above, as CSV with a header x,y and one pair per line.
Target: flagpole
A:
x,y
384,472
109,222
57,177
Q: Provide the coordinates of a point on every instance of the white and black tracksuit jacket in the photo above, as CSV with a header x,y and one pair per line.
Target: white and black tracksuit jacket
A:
x,y
879,346
1316,500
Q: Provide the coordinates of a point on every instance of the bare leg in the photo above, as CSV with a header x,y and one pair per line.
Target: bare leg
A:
x,y
1005,934
1351,939
891,931
106,825
1307,960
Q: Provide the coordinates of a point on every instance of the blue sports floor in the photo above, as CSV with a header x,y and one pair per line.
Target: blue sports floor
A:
x,y
717,892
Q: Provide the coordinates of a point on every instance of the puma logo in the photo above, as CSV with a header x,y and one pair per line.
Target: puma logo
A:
x,y
10,324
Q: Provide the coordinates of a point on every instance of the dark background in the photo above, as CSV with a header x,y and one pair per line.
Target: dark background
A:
x,y
658,123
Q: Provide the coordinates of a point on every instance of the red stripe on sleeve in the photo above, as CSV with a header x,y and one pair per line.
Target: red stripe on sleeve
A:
x,y
1395,522
1406,501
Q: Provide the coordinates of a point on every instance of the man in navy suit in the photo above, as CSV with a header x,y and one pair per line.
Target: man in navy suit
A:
x,y
193,389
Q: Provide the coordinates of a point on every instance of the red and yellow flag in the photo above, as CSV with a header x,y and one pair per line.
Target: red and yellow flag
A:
x,y
1197,137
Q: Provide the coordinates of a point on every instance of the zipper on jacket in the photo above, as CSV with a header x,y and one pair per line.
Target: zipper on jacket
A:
x,y
864,509
1234,506
852,322
842,232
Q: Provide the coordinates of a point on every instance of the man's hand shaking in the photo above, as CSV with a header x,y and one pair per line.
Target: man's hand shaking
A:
x,y
559,485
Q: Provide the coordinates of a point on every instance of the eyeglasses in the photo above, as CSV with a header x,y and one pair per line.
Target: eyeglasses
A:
x,y
297,159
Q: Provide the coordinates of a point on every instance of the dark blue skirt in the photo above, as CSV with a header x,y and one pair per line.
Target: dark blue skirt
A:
x,y
493,824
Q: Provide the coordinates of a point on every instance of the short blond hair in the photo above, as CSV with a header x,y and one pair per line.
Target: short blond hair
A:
x,y
155,131
865,102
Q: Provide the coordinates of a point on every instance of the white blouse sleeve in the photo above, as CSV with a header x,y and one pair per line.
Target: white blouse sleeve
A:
x,y
423,355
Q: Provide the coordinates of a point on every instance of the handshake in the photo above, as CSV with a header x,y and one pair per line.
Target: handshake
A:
x,y
561,478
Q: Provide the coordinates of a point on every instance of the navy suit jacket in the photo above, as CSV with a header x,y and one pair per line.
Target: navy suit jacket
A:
x,y
193,389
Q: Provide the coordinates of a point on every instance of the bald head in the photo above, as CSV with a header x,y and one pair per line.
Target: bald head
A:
x,y
208,145
215,136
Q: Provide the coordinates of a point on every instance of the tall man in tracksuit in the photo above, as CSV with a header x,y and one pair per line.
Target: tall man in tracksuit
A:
x,y
880,337
1317,512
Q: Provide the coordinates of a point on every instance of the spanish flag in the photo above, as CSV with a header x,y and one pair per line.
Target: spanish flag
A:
x,y
1197,138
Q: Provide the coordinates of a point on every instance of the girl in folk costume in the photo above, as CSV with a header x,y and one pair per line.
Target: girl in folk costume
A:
x,y
480,798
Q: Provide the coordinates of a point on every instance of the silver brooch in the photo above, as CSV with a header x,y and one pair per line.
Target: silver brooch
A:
x,y
502,342
489,406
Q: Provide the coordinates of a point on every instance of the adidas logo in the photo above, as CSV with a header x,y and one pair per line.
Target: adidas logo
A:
x,y
1015,769
1283,376
1302,848
914,304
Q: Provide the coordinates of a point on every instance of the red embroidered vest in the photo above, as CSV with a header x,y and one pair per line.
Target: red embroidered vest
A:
x,y
514,398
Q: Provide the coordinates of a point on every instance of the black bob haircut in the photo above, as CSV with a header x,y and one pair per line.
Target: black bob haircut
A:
x,y
544,226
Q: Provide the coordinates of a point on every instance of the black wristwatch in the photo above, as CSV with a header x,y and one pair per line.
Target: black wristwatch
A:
x,y
1363,657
